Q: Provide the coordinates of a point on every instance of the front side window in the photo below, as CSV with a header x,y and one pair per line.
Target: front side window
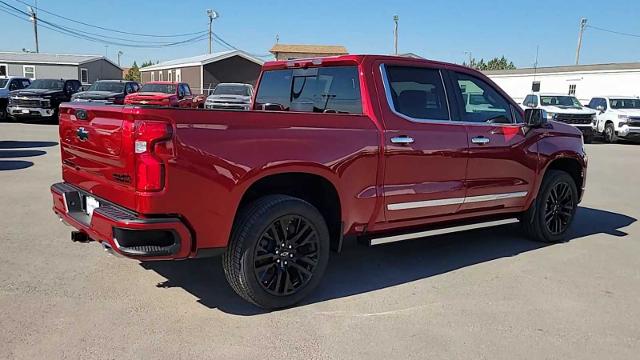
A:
x,y
625,103
29,71
323,90
186,90
480,101
417,92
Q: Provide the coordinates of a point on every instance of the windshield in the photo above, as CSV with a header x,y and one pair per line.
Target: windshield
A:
x,y
625,103
47,84
560,101
3,82
159,88
231,90
109,86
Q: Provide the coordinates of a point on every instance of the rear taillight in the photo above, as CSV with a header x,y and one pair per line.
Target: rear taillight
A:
x,y
152,144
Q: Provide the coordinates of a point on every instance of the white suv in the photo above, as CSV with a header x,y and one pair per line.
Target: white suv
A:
x,y
566,109
617,116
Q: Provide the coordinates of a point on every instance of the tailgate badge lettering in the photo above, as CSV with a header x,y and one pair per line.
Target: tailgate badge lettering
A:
x,y
82,134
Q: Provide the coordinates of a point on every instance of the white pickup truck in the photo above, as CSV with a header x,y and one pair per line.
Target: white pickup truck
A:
x,y
566,109
617,117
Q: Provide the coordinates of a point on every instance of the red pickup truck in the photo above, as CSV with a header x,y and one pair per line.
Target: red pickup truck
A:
x,y
166,93
377,148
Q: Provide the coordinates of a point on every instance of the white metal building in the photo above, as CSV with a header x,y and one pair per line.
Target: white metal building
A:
x,y
583,81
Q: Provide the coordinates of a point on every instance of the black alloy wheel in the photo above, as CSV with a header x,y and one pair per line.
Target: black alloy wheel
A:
x,y
559,208
286,255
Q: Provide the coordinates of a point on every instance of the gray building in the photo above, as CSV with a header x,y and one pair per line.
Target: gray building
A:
x,y
86,68
204,72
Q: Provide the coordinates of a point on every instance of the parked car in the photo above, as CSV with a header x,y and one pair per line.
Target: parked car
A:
x,y
165,93
8,84
378,148
617,117
107,91
42,98
566,109
230,96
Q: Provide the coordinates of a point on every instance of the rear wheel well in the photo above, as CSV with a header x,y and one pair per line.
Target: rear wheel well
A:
x,y
314,189
571,167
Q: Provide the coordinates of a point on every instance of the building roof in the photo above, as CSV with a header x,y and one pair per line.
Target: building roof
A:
x,y
309,49
201,60
568,68
43,58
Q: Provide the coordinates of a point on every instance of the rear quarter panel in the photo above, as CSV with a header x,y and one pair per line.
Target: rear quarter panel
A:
x,y
219,154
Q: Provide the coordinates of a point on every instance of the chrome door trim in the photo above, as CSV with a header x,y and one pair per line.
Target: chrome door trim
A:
x,y
448,230
454,201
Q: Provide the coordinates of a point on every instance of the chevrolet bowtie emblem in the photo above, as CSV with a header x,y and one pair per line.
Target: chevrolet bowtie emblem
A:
x,y
82,134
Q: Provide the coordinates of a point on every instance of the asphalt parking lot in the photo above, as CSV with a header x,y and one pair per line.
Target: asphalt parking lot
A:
x,y
481,294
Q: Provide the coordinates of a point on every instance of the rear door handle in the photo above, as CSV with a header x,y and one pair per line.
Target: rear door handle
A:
x,y
402,140
480,140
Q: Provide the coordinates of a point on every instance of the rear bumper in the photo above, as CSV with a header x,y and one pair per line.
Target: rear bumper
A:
x,y
127,233
25,111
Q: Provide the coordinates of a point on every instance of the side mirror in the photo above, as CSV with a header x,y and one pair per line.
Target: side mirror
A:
x,y
600,108
535,117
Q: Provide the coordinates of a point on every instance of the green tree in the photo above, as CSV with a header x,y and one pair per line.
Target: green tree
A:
x,y
148,63
134,73
496,63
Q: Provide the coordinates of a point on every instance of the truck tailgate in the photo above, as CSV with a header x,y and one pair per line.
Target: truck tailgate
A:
x,y
96,143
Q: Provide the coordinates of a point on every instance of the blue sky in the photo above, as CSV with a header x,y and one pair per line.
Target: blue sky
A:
x,y
441,30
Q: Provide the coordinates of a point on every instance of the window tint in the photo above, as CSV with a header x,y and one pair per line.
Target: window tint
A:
x,y
517,115
593,103
330,90
480,101
417,92
25,83
14,85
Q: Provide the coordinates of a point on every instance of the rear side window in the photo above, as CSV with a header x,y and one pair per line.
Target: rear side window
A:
x,y
323,90
417,92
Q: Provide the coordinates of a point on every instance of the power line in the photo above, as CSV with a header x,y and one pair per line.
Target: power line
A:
x,y
108,29
613,31
76,34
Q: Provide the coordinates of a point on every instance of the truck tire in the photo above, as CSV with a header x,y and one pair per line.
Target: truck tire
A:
x,y
610,133
278,251
552,212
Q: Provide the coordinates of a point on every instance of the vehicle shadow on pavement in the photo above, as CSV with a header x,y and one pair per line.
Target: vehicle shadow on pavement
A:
x,y
11,144
360,269
7,154
14,164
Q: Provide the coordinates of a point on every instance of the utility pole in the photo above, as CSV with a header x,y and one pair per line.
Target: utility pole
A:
x,y
34,17
470,57
106,51
212,16
120,53
583,24
395,33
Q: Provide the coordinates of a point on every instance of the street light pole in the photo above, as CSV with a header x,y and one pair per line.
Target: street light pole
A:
x,y
395,33
120,53
583,24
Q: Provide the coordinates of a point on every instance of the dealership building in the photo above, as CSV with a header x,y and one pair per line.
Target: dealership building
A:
x,y
583,81
204,72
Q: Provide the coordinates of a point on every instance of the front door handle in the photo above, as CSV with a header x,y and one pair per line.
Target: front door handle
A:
x,y
480,140
402,140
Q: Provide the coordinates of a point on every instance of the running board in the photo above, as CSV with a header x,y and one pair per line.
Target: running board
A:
x,y
440,231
